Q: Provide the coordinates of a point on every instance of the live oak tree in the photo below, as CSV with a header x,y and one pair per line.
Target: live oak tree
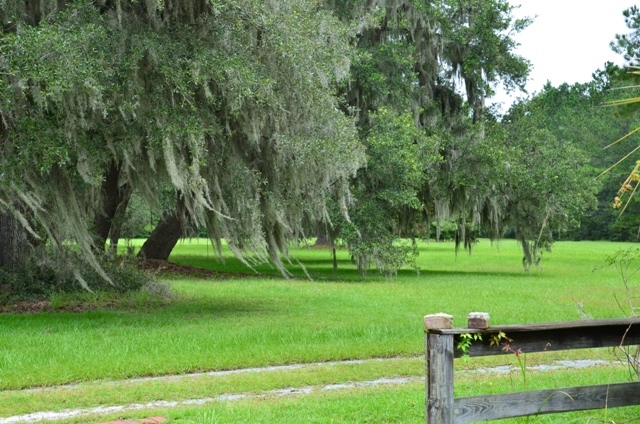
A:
x,y
386,193
229,104
545,181
438,61
435,62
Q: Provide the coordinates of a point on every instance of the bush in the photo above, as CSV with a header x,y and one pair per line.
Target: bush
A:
x,y
41,279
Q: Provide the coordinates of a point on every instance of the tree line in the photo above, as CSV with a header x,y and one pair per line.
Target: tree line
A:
x,y
265,122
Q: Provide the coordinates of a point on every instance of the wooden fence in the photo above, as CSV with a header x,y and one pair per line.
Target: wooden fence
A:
x,y
441,338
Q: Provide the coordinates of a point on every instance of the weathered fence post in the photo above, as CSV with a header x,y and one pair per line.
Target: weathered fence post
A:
x,y
439,365
441,337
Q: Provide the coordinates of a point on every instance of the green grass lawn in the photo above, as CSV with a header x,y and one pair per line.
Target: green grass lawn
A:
x,y
266,320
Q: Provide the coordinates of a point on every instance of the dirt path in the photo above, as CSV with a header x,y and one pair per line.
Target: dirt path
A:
x,y
178,377
103,410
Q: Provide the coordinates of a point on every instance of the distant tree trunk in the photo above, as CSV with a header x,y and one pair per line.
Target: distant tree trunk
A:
x,y
335,262
108,218
527,259
163,238
322,238
325,240
13,242
119,217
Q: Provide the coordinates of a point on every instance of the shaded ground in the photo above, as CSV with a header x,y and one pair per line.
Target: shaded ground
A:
x,y
71,305
25,306
160,268
170,269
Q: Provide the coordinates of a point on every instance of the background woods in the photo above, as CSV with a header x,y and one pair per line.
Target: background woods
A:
x,y
263,123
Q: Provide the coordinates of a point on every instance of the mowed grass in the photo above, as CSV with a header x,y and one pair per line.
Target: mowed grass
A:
x,y
266,320
387,403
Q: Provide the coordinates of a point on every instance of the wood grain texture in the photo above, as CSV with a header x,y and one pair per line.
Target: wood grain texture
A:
x,y
554,336
523,328
443,408
439,384
493,407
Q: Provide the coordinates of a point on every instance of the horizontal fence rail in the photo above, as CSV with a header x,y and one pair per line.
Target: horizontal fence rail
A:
x,y
440,339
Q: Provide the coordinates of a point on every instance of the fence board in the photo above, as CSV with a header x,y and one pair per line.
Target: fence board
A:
x,y
535,327
553,336
519,404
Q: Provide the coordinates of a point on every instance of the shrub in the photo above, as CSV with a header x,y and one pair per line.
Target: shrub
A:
x,y
39,279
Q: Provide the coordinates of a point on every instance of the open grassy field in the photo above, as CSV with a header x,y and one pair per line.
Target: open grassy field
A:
x,y
265,320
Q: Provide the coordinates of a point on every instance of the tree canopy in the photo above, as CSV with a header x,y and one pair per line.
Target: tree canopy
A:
x,y
262,121
436,62
231,104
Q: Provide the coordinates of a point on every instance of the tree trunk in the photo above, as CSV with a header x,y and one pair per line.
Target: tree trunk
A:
x,y
322,239
163,238
527,259
335,262
118,219
13,242
115,199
